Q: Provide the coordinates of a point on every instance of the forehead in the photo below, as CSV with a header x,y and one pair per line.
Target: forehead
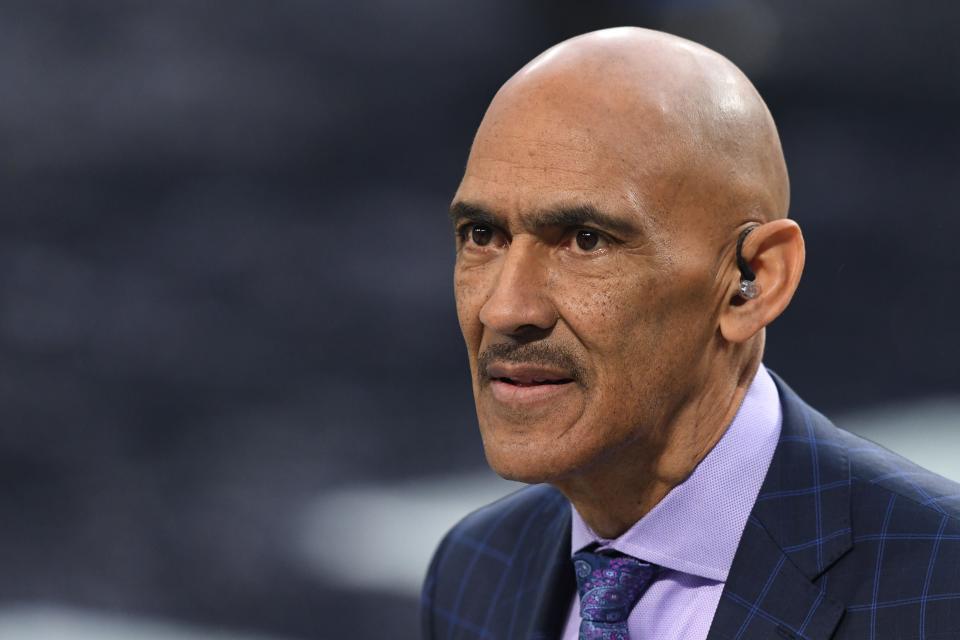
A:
x,y
519,173
542,151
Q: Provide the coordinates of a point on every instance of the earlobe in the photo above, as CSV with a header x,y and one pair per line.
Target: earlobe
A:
x,y
774,253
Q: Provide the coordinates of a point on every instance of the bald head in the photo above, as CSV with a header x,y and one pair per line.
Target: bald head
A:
x,y
683,124
597,277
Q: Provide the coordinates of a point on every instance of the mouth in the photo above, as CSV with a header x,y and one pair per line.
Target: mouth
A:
x,y
524,384
532,382
527,375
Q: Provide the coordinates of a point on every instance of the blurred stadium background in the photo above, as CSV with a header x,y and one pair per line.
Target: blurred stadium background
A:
x,y
229,350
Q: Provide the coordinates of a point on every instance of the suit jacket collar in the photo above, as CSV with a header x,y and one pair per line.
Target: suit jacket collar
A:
x,y
799,527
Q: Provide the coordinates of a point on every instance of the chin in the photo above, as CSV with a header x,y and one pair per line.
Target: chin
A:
x,y
520,471
529,461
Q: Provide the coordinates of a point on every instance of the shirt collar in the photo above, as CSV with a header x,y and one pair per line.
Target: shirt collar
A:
x,y
696,528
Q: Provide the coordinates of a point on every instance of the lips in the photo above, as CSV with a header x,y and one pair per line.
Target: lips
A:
x,y
528,385
527,375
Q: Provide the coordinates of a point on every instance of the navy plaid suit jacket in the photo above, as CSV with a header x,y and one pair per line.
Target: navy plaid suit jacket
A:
x,y
846,540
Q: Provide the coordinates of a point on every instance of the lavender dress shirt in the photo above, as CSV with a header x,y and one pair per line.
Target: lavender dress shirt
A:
x,y
694,531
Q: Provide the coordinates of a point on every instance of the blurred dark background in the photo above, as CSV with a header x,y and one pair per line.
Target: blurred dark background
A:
x,y
225,268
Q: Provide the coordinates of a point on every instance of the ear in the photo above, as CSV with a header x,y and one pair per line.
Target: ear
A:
x,y
775,251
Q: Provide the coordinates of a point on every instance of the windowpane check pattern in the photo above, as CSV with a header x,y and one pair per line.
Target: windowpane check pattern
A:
x,y
846,541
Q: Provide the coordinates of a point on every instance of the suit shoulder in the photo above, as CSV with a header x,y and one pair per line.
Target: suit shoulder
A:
x,y
879,471
902,572
485,546
504,518
486,574
876,474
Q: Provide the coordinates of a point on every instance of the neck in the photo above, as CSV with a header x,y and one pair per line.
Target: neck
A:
x,y
611,497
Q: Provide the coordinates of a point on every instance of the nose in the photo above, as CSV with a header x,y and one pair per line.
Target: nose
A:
x,y
518,302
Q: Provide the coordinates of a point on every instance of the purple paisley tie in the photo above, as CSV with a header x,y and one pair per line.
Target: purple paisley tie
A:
x,y
610,585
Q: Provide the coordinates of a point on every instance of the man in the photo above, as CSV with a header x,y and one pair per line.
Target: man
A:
x,y
622,243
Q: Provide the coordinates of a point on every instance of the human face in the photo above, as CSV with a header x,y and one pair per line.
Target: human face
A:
x,y
588,319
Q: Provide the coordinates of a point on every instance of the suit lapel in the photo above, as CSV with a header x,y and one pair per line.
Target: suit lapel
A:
x,y
799,527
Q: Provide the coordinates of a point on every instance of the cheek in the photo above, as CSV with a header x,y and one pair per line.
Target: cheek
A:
x,y
603,312
617,325
636,329
469,300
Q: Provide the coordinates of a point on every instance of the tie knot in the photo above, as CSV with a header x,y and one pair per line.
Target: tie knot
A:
x,y
610,584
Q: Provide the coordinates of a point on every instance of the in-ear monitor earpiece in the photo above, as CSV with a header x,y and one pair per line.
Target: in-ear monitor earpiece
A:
x,y
749,289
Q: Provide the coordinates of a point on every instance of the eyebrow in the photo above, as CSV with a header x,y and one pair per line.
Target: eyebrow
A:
x,y
461,211
581,215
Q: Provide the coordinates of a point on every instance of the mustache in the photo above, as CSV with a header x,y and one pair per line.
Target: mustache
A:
x,y
544,354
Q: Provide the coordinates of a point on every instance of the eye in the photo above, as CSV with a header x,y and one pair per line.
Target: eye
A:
x,y
589,240
478,234
481,234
